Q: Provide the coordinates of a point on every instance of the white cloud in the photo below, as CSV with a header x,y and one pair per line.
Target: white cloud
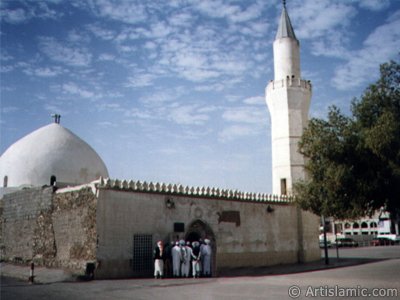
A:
x,y
216,9
140,80
136,113
158,30
75,36
246,114
101,32
188,115
6,69
106,57
59,108
116,107
250,120
256,100
64,53
9,109
74,89
234,132
126,49
126,11
181,19
374,5
4,56
44,71
202,55
380,46
39,9
158,98
14,16
107,124
332,45
320,18
233,13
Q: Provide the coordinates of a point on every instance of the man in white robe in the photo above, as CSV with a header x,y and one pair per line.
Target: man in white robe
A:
x,y
184,258
186,265
176,260
206,254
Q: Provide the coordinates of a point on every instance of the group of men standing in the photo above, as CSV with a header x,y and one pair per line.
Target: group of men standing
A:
x,y
182,257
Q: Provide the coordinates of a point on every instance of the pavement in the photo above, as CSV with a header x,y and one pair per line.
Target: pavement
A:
x,y
358,269
43,275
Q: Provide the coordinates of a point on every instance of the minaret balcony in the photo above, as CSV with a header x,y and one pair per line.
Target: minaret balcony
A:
x,y
289,82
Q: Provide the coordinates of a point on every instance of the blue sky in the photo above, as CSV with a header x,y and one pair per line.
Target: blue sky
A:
x,y
173,91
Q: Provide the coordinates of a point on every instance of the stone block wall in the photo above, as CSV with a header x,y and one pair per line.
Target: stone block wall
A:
x,y
55,229
71,227
21,211
74,224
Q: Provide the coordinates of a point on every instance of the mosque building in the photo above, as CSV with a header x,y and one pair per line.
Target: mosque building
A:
x,y
59,208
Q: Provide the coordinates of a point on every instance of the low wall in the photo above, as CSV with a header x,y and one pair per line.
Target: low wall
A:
x,y
71,227
48,228
21,211
244,233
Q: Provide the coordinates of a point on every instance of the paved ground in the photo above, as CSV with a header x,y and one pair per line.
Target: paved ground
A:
x,y
372,267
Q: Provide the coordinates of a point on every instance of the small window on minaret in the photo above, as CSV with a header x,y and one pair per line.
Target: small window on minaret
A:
x,y
53,180
283,186
5,181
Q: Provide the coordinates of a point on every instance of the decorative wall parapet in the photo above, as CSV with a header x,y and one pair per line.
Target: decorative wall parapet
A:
x,y
290,82
178,189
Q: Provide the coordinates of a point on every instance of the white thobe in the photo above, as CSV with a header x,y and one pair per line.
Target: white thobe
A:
x,y
206,257
186,261
176,260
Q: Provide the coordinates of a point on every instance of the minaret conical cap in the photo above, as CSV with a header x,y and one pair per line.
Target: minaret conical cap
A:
x,y
285,28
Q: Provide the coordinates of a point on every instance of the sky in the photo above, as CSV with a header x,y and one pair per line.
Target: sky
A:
x,y
174,91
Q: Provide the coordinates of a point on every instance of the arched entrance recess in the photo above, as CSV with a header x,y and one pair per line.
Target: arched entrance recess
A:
x,y
201,230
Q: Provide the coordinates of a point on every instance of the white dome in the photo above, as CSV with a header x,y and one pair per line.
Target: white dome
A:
x,y
50,151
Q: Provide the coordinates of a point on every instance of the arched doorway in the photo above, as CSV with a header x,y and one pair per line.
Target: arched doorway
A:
x,y
200,230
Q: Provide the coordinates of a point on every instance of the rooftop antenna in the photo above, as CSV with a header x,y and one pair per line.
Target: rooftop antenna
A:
x,y
57,118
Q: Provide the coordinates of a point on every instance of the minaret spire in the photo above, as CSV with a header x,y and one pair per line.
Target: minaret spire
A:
x,y
285,28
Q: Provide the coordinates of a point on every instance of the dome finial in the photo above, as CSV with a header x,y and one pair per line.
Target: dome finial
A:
x,y
284,3
57,118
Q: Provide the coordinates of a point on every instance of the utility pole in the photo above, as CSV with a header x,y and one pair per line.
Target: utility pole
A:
x,y
325,241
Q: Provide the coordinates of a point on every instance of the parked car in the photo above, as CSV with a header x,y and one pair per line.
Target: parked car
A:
x,y
346,242
322,244
382,241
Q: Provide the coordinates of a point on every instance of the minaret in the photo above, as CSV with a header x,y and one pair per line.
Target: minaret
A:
x,y
288,99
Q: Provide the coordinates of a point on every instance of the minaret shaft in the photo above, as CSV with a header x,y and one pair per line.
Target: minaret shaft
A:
x,y
288,99
286,58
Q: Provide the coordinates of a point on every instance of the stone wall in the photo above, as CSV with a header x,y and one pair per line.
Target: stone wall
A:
x,y
21,211
71,227
74,223
51,229
245,233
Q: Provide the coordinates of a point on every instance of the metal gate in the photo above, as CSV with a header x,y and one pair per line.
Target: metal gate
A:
x,y
142,261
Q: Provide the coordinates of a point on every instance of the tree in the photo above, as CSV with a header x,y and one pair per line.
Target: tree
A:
x,y
353,163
